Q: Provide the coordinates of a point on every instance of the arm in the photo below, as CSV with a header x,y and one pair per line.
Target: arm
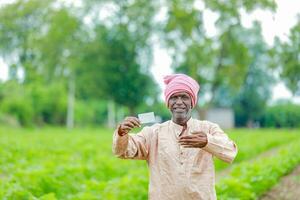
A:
x,y
128,145
214,141
219,144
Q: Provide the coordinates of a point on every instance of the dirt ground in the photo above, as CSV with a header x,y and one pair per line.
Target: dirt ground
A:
x,y
287,189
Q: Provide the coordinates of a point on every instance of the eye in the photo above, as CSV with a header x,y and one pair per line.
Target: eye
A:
x,y
173,97
185,97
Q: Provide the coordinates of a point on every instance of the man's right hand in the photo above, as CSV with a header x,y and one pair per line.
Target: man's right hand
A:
x,y
127,125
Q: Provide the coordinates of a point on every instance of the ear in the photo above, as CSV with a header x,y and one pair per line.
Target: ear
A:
x,y
168,104
193,106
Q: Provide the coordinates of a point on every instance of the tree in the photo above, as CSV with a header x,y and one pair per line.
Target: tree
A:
x,y
59,53
123,54
286,57
250,100
250,103
121,77
43,41
20,22
52,44
214,61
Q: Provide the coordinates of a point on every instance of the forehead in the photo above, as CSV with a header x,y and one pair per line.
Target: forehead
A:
x,y
180,94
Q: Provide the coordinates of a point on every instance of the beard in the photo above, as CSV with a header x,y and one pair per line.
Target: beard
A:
x,y
181,114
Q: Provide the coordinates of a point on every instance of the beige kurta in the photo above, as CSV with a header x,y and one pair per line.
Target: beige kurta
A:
x,y
176,172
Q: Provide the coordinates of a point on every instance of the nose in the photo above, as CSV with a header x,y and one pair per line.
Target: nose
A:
x,y
179,101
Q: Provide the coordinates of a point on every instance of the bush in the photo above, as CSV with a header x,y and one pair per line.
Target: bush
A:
x,y
34,104
50,103
90,112
281,115
9,120
15,103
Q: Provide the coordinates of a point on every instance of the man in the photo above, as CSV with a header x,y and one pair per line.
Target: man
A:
x,y
179,152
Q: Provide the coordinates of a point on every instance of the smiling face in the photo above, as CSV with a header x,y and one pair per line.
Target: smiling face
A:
x,y
180,105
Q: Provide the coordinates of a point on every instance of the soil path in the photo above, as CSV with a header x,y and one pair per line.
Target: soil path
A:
x,y
287,189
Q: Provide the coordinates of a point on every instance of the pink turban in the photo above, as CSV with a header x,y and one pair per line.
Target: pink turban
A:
x,y
181,83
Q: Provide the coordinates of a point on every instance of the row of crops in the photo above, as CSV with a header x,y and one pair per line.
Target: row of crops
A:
x,y
249,180
56,164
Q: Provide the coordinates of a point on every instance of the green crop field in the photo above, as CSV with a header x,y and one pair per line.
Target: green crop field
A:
x,y
53,163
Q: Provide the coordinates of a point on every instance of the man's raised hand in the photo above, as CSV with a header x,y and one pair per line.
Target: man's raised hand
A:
x,y
127,125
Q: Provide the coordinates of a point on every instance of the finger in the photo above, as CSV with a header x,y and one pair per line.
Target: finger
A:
x,y
188,143
127,128
129,124
135,121
194,137
189,146
183,145
132,118
186,137
188,140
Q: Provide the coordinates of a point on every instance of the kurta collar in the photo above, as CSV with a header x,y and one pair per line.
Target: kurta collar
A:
x,y
178,128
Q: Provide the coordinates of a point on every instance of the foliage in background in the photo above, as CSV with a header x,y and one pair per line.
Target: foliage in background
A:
x,y
52,44
101,51
19,24
286,58
251,101
90,112
214,61
33,104
281,115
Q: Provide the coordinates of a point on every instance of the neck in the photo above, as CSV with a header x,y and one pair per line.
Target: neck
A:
x,y
180,122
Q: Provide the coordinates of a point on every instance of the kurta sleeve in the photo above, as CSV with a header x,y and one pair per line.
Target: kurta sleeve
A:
x,y
132,146
219,144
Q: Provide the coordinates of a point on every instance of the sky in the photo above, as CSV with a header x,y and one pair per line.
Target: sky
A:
x,y
273,24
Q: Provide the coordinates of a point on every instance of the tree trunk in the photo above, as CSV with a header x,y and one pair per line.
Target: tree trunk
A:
x,y
120,114
216,81
250,123
71,100
111,118
131,111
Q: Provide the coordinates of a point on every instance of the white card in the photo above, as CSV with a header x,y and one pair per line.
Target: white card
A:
x,y
146,118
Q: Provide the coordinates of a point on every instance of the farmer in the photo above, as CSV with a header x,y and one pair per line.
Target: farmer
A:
x,y
179,152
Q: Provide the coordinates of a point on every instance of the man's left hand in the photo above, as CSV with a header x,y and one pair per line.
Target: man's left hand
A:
x,y
195,140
